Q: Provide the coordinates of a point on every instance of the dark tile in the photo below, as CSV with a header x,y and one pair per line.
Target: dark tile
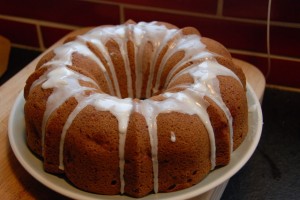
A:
x,y
285,73
204,6
259,62
285,41
52,35
232,34
254,9
20,33
81,13
282,72
285,11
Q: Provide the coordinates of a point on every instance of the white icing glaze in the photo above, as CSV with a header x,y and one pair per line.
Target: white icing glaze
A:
x,y
206,75
151,109
121,108
66,83
190,103
173,136
190,44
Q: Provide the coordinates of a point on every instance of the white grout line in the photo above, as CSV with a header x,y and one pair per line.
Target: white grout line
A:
x,y
122,15
220,7
40,37
122,6
26,47
149,8
263,55
39,22
196,14
187,13
285,88
268,38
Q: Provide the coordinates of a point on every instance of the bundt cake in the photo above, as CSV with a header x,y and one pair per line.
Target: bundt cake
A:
x,y
136,108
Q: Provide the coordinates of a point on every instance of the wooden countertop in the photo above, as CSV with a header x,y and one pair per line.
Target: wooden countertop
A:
x,y
15,182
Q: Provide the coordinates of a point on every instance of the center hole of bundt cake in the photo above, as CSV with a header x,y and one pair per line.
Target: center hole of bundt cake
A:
x,y
137,78
139,88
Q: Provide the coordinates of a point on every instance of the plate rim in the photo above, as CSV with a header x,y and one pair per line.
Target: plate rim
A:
x,y
185,193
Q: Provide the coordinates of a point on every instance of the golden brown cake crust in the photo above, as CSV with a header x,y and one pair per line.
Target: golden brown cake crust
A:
x,y
83,142
185,162
138,167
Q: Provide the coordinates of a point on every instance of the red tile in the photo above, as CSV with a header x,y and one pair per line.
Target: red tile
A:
x,y
20,33
79,13
281,10
254,9
232,34
285,41
204,6
286,11
259,62
282,72
285,73
52,35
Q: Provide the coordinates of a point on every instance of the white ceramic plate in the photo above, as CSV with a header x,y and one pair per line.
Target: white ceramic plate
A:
x,y
16,133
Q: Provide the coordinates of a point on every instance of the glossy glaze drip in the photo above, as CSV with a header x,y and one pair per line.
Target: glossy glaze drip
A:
x,y
66,83
173,136
193,50
206,83
121,108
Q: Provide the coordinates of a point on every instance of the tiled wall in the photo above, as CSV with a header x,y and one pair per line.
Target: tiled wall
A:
x,y
240,25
